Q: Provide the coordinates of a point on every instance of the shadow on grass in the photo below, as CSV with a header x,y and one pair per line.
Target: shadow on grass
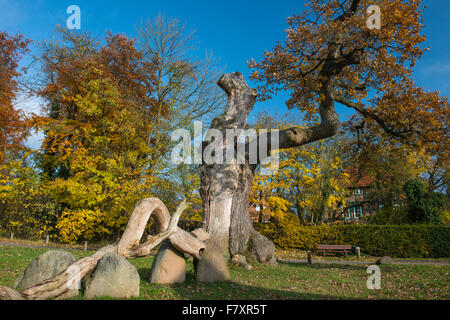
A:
x,y
319,266
228,290
324,266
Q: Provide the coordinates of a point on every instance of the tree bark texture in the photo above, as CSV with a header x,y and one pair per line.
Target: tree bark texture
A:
x,y
225,188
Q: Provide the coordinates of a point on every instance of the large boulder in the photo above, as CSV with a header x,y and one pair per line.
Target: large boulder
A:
x,y
385,260
169,266
212,266
113,277
44,267
241,261
262,249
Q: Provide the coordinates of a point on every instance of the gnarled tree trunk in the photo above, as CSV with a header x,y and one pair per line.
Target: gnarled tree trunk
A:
x,y
226,215
225,188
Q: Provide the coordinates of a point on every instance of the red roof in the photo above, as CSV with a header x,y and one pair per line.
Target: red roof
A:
x,y
358,178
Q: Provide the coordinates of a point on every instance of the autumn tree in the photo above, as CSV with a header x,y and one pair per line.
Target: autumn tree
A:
x,y
311,181
329,55
437,174
98,107
321,185
14,128
423,206
25,208
110,112
185,85
388,167
13,124
270,187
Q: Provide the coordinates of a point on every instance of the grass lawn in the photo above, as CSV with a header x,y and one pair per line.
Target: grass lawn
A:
x,y
285,254
284,281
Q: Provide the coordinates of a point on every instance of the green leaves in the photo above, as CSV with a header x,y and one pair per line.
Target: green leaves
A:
x,y
423,206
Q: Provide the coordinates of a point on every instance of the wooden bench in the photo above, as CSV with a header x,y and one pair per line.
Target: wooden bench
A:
x,y
326,248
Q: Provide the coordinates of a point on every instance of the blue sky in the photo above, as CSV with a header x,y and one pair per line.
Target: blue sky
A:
x,y
233,30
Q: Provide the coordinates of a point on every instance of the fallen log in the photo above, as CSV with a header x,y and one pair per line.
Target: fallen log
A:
x,y
60,284
10,294
129,246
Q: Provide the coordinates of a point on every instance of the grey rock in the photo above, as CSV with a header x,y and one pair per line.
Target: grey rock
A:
x,y
18,280
385,260
241,261
44,267
169,266
113,277
212,266
272,261
262,249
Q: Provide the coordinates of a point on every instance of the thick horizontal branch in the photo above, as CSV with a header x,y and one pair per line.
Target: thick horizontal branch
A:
x,y
296,136
403,134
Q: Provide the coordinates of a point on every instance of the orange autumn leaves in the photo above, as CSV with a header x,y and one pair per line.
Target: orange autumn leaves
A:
x,y
376,80
104,138
95,151
13,125
102,150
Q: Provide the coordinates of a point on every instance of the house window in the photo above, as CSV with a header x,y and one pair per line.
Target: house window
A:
x,y
348,214
358,212
353,213
359,191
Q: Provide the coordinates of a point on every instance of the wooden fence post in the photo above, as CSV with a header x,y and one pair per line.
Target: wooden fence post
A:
x,y
47,239
358,253
12,235
309,257
85,245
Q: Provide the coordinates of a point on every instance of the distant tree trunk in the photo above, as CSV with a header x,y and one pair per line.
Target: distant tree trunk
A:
x,y
300,210
324,208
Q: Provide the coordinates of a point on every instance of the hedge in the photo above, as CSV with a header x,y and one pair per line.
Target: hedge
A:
x,y
401,241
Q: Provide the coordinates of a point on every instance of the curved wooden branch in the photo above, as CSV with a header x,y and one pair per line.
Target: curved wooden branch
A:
x,y
185,242
10,294
129,246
